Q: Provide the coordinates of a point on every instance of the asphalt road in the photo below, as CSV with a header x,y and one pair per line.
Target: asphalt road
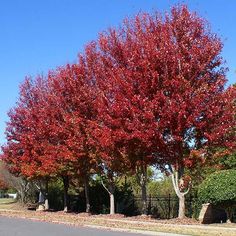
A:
x,y
22,227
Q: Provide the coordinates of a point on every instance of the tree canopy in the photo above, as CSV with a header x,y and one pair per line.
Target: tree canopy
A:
x,y
151,92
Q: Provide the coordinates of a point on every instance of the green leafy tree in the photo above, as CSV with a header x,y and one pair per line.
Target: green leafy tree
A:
x,y
229,161
161,187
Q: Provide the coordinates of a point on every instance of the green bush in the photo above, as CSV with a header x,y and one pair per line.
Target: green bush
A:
x,y
220,189
55,195
197,205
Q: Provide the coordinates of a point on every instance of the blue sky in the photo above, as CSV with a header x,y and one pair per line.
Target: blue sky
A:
x,y
36,36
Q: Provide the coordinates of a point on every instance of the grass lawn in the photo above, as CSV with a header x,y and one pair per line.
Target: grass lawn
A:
x,y
9,204
4,201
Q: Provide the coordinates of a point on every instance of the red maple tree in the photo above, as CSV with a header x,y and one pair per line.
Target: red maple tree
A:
x,y
73,118
162,94
27,152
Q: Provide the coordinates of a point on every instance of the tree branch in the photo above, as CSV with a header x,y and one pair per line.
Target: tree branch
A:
x,y
105,186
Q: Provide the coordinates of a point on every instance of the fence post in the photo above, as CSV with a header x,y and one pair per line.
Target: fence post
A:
x,y
150,204
191,209
169,206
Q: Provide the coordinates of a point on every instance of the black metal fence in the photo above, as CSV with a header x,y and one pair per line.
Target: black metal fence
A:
x,y
165,207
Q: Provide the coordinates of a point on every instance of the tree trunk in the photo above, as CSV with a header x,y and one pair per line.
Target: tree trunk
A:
x,y
41,199
181,214
112,204
229,213
22,196
86,190
66,187
144,198
111,191
142,181
176,178
46,197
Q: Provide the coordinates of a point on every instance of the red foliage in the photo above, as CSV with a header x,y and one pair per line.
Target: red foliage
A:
x,y
47,133
161,87
196,157
185,182
73,119
149,92
28,151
